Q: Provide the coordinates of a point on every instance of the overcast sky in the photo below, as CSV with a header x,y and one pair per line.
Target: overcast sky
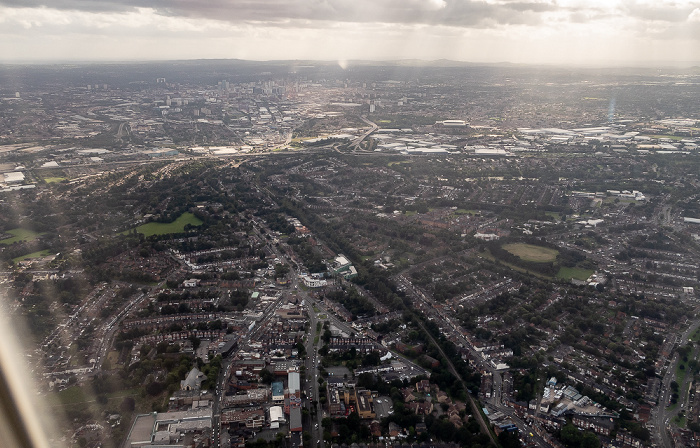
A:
x,y
608,32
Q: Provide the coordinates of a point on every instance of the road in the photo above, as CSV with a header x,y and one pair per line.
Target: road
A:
x,y
660,415
453,329
311,381
225,371
216,406
475,408
110,330
356,143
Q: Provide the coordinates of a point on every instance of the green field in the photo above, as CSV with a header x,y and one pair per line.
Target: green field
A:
x,y
695,337
79,395
20,234
530,252
488,256
577,273
681,371
680,420
177,226
71,395
50,180
37,254
670,137
113,358
555,215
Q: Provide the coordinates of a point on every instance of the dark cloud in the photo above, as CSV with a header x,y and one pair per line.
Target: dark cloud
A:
x,y
461,13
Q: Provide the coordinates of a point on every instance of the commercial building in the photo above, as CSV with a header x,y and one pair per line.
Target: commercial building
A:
x,y
294,384
250,418
170,428
15,177
365,405
295,420
277,392
276,417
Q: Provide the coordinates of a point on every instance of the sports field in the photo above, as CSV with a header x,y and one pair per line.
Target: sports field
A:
x,y
530,252
51,180
177,226
577,273
37,254
20,234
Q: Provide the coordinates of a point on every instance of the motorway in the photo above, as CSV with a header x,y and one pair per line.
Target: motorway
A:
x,y
356,143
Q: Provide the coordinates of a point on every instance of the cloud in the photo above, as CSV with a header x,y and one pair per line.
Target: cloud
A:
x,y
318,13
694,16
478,30
659,11
462,13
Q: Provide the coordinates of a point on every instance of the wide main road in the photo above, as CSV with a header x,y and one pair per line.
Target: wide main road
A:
x,y
356,143
310,386
660,415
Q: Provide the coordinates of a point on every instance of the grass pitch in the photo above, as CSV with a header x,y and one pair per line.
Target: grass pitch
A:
x,y
177,226
530,252
20,234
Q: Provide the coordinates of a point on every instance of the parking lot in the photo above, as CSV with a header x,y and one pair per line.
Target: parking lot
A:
x,y
383,407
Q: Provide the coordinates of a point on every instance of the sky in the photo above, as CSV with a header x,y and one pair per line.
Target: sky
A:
x,y
562,32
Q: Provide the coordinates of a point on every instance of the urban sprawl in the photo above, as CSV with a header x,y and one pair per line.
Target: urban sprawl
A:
x,y
287,254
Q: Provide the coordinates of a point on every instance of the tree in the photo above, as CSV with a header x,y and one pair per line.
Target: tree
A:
x,y
509,439
327,335
155,388
266,376
570,435
128,404
590,440
327,423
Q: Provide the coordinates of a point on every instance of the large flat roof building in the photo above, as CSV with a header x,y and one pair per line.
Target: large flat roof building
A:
x,y
141,432
276,417
14,177
167,428
295,420
294,384
277,391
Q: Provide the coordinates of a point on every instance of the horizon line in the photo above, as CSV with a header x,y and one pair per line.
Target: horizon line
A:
x,y
408,61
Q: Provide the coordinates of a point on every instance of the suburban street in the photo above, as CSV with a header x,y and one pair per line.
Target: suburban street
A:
x,y
660,415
